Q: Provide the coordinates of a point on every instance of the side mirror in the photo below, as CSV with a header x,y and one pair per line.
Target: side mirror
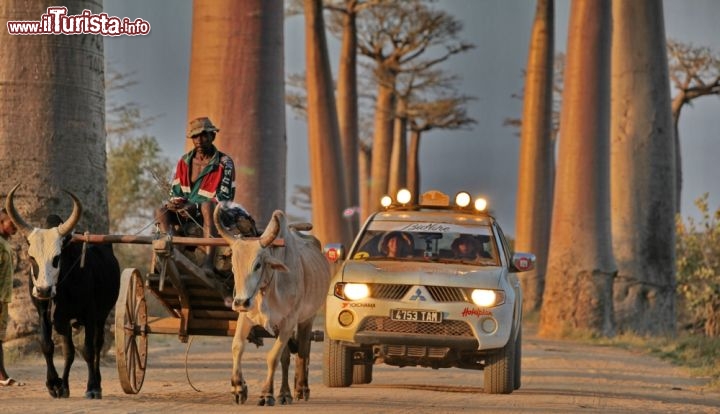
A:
x,y
334,252
522,262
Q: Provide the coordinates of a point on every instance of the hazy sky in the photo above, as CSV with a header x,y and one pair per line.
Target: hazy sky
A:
x,y
483,160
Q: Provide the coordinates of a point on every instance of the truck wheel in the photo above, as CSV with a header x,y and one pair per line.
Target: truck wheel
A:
x,y
362,374
337,364
518,360
500,370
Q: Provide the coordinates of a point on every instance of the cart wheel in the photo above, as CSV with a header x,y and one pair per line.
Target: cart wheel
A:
x,y
130,331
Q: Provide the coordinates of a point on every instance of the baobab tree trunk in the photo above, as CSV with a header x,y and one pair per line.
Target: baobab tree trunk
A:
x,y
642,171
52,132
398,155
535,176
676,107
327,182
382,140
364,162
578,290
347,109
413,165
237,78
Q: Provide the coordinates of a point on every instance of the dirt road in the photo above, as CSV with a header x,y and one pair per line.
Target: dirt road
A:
x,y
558,377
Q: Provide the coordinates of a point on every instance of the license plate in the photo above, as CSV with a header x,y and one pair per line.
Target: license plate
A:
x,y
415,315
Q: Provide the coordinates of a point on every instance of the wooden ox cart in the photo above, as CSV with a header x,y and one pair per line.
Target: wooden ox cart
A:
x,y
196,301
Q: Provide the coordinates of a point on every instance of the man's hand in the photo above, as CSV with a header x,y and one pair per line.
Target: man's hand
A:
x,y
188,210
176,203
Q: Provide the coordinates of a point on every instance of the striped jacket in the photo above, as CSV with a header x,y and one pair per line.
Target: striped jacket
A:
x,y
215,182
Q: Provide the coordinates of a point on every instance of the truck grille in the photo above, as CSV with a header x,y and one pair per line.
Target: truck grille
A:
x,y
397,292
390,292
446,328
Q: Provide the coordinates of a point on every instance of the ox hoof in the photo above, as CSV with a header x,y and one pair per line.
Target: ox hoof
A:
x,y
242,395
268,400
93,394
302,394
58,391
285,399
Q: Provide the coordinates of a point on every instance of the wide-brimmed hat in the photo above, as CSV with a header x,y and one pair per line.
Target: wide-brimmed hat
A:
x,y
200,125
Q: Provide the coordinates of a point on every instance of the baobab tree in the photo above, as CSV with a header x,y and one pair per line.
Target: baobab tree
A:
x,y
237,79
327,176
536,164
642,171
694,72
580,270
427,100
440,113
52,95
399,37
343,24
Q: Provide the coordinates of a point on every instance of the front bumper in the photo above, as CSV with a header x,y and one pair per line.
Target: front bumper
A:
x,y
464,326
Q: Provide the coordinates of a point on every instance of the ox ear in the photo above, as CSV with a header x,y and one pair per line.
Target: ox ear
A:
x,y
276,264
229,237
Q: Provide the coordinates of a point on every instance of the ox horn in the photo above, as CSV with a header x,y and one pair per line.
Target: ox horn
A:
x,y
219,226
272,229
66,227
12,212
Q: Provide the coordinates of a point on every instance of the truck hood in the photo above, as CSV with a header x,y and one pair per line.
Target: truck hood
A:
x,y
421,273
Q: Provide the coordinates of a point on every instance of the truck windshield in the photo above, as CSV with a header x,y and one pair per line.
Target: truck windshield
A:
x,y
427,242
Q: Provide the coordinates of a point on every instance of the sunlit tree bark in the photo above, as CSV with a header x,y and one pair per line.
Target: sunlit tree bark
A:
x,y
237,79
52,131
399,152
347,104
382,139
642,171
327,182
364,162
536,164
578,290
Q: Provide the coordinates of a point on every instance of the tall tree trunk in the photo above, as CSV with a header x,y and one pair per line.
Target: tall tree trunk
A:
x,y
535,175
398,155
578,290
382,140
347,108
237,79
642,171
327,183
676,107
413,165
52,131
364,163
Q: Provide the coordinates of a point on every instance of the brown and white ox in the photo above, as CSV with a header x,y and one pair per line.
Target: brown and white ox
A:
x,y
68,290
280,288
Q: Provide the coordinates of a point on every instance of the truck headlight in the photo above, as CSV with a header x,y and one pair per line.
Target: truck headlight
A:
x,y
352,291
487,298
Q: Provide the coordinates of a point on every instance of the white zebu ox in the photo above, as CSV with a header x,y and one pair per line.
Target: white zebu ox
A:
x,y
280,288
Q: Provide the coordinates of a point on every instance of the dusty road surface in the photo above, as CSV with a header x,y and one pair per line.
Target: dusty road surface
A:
x,y
558,377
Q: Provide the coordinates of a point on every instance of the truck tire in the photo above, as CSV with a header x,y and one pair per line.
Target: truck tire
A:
x,y
500,370
337,364
362,374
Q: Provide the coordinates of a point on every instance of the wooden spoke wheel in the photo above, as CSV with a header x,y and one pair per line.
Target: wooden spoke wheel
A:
x,y
131,340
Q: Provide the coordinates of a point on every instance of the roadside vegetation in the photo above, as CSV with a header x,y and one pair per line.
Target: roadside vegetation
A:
x,y
696,344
